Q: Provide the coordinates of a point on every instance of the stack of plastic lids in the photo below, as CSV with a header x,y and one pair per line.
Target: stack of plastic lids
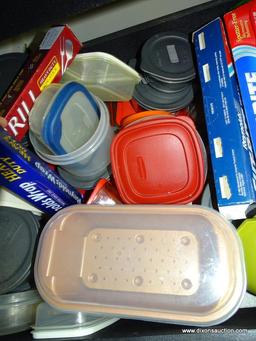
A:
x,y
52,323
159,161
105,75
166,63
70,127
169,263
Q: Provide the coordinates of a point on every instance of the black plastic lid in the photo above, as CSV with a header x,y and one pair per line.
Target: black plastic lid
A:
x,y
18,235
10,65
168,56
150,98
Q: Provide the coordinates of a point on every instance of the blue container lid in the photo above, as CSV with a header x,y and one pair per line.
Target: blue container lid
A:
x,y
52,127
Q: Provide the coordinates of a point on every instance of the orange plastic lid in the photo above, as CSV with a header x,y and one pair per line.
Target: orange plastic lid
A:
x,y
131,118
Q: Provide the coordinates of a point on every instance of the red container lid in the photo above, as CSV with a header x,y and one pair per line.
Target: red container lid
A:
x,y
160,161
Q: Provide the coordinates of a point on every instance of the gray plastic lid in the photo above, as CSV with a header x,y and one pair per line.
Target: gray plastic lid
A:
x,y
166,87
150,98
18,234
168,55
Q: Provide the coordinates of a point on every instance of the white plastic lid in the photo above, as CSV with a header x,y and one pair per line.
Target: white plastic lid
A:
x,y
180,264
52,323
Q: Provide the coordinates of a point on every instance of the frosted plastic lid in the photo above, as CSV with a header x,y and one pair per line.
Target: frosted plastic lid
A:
x,y
158,161
105,75
168,55
180,264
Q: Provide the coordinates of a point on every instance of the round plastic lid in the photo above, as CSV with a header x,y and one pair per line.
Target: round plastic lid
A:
x,y
168,55
18,234
158,161
165,87
149,114
151,98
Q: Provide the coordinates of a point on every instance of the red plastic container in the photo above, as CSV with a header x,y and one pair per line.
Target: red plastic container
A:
x,y
104,194
159,161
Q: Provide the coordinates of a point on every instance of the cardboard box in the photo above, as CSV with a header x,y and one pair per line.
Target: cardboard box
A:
x,y
240,25
231,153
45,65
26,175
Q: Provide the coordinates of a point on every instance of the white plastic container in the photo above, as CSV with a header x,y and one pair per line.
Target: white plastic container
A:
x,y
176,264
51,323
105,75
64,117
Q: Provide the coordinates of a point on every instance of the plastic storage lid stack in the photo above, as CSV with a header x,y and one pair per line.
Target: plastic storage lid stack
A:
x,y
168,56
18,235
52,323
176,264
159,161
150,98
17,311
105,75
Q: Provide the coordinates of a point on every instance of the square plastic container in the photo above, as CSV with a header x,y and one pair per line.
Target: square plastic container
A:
x,y
159,161
178,264
105,75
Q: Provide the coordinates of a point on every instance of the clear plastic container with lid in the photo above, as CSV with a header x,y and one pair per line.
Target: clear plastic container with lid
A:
x,y
176,264
105,75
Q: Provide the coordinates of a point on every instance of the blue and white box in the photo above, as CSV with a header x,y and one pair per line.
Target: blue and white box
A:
x,y
231,152
29,177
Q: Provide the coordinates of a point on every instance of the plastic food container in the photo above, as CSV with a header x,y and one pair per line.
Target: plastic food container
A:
x,y
176,264
159,161
18,236
247,233
86,165
167,56
104,193
17,311
51,323
64,117
105,75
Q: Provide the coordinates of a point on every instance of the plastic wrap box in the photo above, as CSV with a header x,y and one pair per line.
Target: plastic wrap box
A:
x,y
29,177
230,147
45,65
240,24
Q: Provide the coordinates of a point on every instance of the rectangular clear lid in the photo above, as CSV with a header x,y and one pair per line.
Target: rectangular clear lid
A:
x,y
180,264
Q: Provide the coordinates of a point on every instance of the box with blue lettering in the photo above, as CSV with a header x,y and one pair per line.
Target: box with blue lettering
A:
x,y
26,175
231,152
